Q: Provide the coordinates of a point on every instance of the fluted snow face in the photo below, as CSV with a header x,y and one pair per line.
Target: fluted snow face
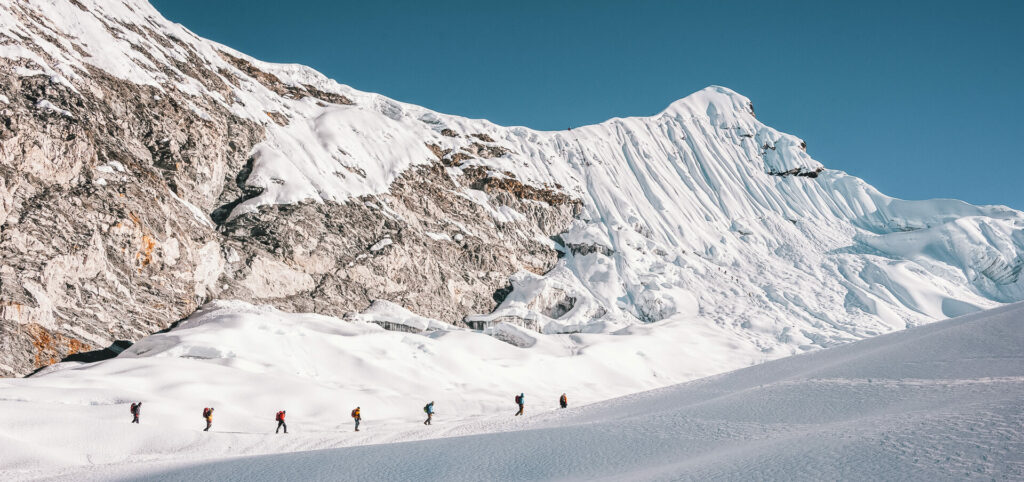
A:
x,y
698,211
692,219
702,210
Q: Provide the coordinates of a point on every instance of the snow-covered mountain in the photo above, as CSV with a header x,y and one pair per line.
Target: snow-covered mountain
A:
x,y
145,171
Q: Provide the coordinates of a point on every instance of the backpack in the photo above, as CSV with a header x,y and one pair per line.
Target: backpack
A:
x,y
133,408
519,400
425,410
355,413
279,416
206,412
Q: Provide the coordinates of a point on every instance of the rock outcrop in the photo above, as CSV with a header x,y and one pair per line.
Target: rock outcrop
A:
x,y
104,187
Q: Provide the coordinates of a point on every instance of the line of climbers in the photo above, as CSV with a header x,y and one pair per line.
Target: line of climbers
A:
x,y
136,410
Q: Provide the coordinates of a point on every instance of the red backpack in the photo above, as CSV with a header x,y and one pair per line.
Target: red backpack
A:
x,y
518,400
280,416
206,412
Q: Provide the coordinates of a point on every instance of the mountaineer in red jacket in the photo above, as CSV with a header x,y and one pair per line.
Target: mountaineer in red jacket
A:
x,y
280,422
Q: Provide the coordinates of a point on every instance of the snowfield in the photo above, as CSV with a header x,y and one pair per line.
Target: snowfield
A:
x,y
697,242
941,401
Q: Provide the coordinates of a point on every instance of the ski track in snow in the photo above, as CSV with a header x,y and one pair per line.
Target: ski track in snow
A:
x,y
938,402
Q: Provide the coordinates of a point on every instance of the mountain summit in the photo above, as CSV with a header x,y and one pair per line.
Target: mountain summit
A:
x,y
145,171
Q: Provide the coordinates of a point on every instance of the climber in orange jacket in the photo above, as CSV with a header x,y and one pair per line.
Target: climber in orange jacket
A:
x,y
357,416
280,422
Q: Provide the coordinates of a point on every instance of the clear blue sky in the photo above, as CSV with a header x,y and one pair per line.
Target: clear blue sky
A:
x,y
921,99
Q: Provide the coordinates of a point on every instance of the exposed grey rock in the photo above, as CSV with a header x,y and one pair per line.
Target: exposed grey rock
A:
x,y
585,249
812,173
103,236
326,264
114,203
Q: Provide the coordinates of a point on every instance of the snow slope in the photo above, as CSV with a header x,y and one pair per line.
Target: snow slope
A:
x,y
699,210
249,361
942,401
708,241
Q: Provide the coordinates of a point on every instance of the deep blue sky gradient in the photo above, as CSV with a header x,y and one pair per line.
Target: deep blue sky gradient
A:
x,y
921,99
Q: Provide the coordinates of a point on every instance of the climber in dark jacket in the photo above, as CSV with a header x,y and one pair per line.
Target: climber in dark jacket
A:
x,y
136,409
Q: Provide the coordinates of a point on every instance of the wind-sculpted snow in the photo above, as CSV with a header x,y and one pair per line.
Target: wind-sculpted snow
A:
x,y
704,210
699,210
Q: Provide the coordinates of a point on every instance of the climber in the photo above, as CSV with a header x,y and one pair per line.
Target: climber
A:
x,y
563,401
136,409
208,415
357,417
429,408
280,422
521,401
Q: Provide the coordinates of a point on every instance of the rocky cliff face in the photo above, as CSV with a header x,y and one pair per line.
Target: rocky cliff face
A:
x,y
423,245
145,171
103,186
113,197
